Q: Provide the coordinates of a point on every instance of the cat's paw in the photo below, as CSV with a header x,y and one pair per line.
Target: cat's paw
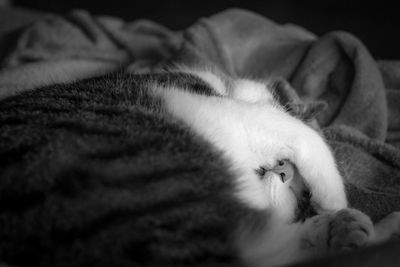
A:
x,y
349,229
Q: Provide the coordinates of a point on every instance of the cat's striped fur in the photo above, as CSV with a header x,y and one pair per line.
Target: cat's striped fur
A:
x,y
94,173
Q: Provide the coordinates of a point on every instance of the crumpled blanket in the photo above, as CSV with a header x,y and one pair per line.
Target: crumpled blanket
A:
x,y
58,49
361,122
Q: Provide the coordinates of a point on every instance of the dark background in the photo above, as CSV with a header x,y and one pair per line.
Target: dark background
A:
x,y
376,23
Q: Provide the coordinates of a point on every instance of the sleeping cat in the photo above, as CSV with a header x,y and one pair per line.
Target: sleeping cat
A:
x,y
275,157
183,168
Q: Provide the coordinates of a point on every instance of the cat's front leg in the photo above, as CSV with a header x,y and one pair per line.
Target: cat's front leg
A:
x,y
316,165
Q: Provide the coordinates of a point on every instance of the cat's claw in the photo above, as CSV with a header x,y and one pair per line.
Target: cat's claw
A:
x,y
349,229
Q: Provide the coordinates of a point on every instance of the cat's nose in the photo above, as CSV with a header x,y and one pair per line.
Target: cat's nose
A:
x,y
284,169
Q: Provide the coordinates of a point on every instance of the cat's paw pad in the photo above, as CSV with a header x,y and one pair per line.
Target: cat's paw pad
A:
x,y
349,229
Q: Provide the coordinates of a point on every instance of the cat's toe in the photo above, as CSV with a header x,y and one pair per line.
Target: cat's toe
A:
x,y
350,229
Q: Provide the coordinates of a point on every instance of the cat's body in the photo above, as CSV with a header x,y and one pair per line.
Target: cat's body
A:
x,y
254,131
246,121
170,169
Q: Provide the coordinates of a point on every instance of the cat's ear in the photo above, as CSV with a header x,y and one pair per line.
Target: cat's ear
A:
x,y
288,98
306,110
284,92
314,108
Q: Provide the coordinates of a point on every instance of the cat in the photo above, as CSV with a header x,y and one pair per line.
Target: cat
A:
x,y
182,168
276,158
254,131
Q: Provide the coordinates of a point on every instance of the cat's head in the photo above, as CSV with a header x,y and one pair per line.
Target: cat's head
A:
x,y
279,190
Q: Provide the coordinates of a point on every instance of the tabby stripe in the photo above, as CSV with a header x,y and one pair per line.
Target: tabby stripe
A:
x,y
44,107
9,120
84,128
118,217
15,154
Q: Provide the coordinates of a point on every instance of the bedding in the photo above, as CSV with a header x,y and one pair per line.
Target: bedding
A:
x,y
361,122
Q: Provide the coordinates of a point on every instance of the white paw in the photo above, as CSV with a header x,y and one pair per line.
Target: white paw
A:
x,y
349,229
328,199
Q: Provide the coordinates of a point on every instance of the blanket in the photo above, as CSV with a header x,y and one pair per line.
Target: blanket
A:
x,y
361,122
